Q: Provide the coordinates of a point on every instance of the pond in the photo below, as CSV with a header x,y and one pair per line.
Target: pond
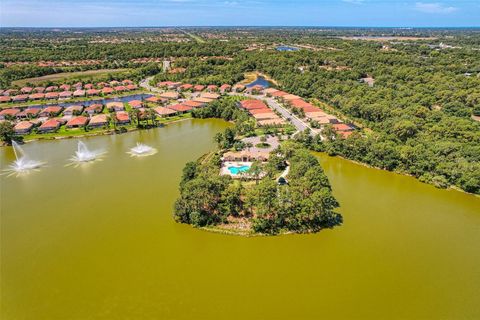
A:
x,y
97,241
286,48
259,81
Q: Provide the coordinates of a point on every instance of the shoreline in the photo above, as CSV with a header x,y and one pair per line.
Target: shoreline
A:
x,y
99,133
450,187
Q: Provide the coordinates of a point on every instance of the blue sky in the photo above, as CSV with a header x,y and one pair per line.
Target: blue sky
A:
x,y
104,13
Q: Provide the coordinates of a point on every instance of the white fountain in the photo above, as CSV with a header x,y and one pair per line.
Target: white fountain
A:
x,y
22,163
142,150
83,154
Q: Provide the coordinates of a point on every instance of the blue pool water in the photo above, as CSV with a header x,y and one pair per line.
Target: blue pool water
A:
x,y
237,170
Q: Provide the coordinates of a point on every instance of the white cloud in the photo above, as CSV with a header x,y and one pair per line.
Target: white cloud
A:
x,y
434,7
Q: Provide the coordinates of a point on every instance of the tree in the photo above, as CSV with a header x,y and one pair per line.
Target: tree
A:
x,y
7,134
256,170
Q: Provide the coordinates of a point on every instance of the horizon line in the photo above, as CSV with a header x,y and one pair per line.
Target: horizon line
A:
x,y
241,26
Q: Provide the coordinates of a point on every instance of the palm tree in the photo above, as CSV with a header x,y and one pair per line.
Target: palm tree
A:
x,y
113,120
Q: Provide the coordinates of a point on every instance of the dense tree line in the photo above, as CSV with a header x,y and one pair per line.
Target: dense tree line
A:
x,y
306,204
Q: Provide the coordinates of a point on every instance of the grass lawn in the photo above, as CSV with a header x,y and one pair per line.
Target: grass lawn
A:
x,y
63,132
68,75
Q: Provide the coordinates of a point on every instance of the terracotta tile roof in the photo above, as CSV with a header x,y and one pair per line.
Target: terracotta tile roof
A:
x,y
180,108
279,94
186,86
193,104
5,99
23,126
94,108
51,109
98,119
264,116
51,88
35,96
120,88
257,111
252,104
169,95
135,104
342,127
26,89
122,116
51,95
77,122
39,89
65,94
72,109
131,87
20,97
117,106
50,124
164,111
199,87
93,92
107,90
207,95
9,112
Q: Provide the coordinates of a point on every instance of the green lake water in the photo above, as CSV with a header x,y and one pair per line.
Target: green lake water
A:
x,y
98,242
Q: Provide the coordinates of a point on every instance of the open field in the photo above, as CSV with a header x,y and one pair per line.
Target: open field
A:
x,y
68,75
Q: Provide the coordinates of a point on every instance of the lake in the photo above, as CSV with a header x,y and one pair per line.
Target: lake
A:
x,y
98,242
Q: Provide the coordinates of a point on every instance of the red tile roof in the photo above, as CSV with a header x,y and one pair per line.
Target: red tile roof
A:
x,y
164,111
198,87
36,96
20,97
77,122
23,126
5,99
52,109
122,116
65,94
253,104
107,90
135,104
180,108
51,95
9,112
50,124
342,127
257,111
193,104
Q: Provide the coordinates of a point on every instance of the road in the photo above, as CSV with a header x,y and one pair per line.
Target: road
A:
x,y
300,124
145,83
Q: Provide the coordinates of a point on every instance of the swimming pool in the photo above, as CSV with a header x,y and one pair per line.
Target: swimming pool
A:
x,y
238,170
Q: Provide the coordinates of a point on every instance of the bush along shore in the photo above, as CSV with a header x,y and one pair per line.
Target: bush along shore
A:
x,y
302,203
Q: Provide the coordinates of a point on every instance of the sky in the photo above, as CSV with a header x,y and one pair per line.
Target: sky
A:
x,y
127,13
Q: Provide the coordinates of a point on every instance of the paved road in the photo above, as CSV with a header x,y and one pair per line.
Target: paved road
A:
x,y
145,83
300,124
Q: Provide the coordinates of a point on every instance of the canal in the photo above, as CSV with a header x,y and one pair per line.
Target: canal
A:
x,y
98,242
